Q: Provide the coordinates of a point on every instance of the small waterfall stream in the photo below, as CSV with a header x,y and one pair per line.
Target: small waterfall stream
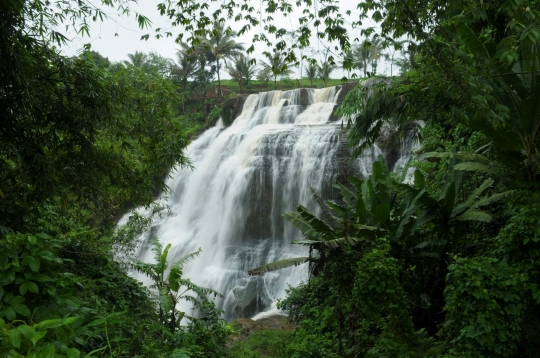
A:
x,y
245,176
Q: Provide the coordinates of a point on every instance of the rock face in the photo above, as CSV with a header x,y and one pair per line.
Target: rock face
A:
x,y
247,326
232,108
345,88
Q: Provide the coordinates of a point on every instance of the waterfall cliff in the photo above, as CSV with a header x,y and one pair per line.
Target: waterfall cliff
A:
x,y
244,177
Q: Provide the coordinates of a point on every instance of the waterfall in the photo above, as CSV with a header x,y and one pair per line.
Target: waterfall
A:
x,y
243,178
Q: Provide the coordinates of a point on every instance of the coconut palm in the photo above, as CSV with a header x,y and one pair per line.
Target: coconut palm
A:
x,y
366,54
311,72
277,65
137,59
242,70
187,63
324,70
221,46
375,53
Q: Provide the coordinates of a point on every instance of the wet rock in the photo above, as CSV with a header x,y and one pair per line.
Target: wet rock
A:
x,y
232,108
390,145
247,326
304,97
345,88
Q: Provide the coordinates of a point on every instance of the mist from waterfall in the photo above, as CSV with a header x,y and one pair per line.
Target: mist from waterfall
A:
x,y
244,177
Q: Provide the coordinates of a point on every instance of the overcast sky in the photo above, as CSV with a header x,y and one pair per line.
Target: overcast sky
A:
x,y
120,34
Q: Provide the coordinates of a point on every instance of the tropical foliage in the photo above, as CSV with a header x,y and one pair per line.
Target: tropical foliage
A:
x,y
439,261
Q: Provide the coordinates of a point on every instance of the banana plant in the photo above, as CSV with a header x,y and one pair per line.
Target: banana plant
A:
x,y
170,285
513,65
384,206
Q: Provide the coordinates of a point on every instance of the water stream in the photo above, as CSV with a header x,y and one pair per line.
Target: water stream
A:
x,y
245,176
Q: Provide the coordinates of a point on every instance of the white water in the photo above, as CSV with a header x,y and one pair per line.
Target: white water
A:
x,y
245,176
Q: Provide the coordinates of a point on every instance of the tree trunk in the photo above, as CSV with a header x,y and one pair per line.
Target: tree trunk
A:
x,y
219,79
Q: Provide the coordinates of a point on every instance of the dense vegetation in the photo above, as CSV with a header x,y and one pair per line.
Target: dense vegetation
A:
x,y
445,263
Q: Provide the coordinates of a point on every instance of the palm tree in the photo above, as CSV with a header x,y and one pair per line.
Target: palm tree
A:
x,y
375,53
361,57
242,70
264,76
221,45
277,65
397,46
311,72
137,59
324,70
186,63
367,53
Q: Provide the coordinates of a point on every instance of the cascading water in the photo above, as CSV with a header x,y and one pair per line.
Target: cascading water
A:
x,y
244,177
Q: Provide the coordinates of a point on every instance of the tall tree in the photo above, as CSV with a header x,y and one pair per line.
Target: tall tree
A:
x,y
242,70
367,54
137,59
186,63
311,72
325,69
221,44
277,64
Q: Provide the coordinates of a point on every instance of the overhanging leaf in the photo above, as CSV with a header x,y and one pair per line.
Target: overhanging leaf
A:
x,y
277,265
475,215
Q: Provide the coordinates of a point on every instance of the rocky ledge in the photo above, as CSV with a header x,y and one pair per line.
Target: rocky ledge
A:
x,y
247,326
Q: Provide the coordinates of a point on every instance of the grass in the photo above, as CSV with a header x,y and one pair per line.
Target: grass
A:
x,y
232,86
263,344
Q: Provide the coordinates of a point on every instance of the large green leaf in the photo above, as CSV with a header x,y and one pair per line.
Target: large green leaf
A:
x,y
310,225
371,195
472,197
473,43
494,198
450,199
163,259
419,180
278,265
337,243
347,195
493,170
465,156
382,213
425,244
184,260
475,215
361,212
